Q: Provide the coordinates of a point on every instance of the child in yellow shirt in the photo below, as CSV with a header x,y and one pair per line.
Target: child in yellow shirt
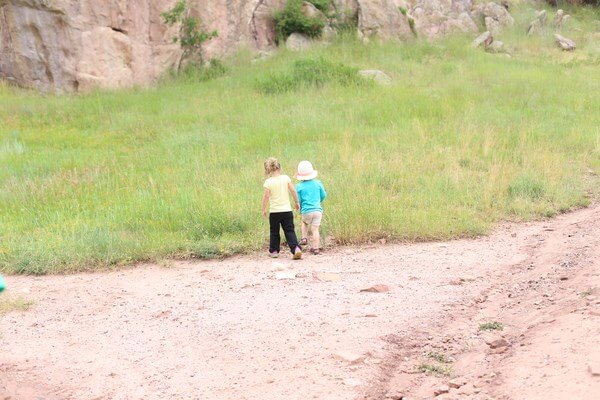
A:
x,y
278,187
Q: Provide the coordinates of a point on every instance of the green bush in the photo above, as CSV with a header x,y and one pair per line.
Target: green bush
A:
x,y
311,73
291,20
322,5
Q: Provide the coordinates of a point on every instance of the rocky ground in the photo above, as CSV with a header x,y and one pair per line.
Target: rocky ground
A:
x,y
254,328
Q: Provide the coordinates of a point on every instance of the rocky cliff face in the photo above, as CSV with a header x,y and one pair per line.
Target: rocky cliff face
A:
x,y
76,45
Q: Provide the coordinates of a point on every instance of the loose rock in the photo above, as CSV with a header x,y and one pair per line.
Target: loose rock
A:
x,y
495,47
484,39
564,43
352,358
377,76
498,343
542,16
594,369
377,289
441,390
492,25
310,11
283,275
298,42
328,277
457,383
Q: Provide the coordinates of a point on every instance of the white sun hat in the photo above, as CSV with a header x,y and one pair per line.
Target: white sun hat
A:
x,y
306,171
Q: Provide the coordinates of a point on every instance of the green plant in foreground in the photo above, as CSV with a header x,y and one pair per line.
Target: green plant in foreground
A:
x,y
190,37
14,304
491,326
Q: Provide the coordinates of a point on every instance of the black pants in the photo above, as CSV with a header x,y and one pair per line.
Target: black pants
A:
x,y
286,220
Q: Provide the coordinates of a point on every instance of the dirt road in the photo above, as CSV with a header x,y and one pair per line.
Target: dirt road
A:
x,y
231,330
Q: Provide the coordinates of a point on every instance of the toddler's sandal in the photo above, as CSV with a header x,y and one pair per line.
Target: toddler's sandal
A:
x,y
303,241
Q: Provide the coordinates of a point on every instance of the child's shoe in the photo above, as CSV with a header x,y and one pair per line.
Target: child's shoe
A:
x,y
315,251
303,241
273,254
297,253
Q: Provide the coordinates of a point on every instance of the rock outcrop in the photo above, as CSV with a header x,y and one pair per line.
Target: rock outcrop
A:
x,y
80,44
77,45
437,18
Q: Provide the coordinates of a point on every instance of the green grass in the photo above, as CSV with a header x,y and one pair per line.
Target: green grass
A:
x,y
13,304
491,326
461,140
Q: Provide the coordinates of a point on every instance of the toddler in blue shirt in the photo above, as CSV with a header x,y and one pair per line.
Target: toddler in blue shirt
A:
x,y
310,195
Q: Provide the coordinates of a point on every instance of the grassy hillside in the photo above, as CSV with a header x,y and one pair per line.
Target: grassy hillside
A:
x,y
461,140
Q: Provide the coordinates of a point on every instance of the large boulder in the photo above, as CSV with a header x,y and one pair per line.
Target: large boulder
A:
x,y
298,42
383,19
79,44
494,11
437,18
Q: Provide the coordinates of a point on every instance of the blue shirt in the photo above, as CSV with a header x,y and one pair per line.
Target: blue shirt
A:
x,y
311,193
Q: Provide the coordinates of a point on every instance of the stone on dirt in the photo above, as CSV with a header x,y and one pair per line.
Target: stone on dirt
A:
x,y
498,343
328,277
349,357
441,390
283,275
594,369
380,288
457,383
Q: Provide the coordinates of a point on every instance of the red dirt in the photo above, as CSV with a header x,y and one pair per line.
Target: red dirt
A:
x,y
230,330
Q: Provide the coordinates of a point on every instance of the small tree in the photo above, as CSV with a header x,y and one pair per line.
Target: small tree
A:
x,y
190,37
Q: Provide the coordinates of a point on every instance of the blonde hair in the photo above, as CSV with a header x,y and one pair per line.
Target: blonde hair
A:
x,y
272,165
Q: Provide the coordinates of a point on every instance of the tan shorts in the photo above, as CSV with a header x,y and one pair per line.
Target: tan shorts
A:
x,y
312,218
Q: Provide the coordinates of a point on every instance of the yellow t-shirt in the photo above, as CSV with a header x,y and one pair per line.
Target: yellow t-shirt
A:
x,y
279,201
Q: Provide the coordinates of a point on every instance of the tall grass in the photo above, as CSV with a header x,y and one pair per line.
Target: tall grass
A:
x,y
461,140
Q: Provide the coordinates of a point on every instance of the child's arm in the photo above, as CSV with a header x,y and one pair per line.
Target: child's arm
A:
x,y
292,190
265,201
323,192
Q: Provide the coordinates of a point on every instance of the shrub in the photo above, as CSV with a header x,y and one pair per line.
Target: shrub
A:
x,y
292,20
322,5
190,37
194,72
311,73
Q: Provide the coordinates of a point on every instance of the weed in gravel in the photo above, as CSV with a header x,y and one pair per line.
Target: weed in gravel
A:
x,y
436,369
439,357
18,304
491,326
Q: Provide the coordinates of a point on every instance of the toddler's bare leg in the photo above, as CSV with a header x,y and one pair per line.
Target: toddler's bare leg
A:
x,y
304,230
316,238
